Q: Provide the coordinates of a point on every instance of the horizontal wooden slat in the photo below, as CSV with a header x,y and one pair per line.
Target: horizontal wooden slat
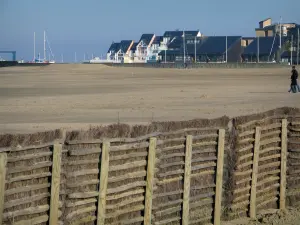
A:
x,y
161,205
167,211
26,189
195,145
80,211
25,200
30,147
265,150
277,132
270,141
129,146
33,221
246,133
85,151
169,173
125,194
126,187
29,177
126,166
245,141
38,165
84,194
166,165
82,162
117,213
126,202
203,166
83,172
167,221
170,148
246,148
26,211
81,202
266,202
241,158
128,156
28,156
82,183
204,159
269,157
127,176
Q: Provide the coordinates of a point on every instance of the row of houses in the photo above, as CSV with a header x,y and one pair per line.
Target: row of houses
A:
x,y
193,46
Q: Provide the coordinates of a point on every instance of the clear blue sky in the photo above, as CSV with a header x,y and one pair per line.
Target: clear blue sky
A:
x,y
91,25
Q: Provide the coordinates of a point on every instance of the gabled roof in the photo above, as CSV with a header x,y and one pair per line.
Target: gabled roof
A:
x,y
158,39
133,48
124,45
266,45
216,44
146,38
114,47
176,43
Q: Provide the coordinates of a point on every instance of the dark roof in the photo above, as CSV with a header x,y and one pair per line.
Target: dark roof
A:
x,y
158,39
114,47
176,43
173,34
265,45
146,38
216,44
170,52
133,48
124,45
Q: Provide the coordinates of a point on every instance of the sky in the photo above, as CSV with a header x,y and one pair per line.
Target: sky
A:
x,y
90,26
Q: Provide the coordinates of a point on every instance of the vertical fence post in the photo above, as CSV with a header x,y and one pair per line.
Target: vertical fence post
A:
x,y
187,180
254,173
3,162
219,178
55,184
283,164
103,183
150,181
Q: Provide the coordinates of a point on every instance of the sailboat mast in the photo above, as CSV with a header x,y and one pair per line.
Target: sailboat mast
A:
x,y
183,47
195,49
298,47
292,50
280,32
34,46
257,49
226,48
44,46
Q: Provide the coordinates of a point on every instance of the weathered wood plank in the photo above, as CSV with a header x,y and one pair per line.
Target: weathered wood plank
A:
x,y
219,177
254,173
283,166
55,184
187,180
3,162
150,182
103,183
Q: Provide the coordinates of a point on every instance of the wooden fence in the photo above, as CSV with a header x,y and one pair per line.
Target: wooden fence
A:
x,y
162,178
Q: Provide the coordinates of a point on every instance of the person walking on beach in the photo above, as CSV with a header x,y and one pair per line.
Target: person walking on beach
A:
x,y
295,72
294,83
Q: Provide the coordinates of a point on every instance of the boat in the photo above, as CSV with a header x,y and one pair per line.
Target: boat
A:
x,y
44,60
